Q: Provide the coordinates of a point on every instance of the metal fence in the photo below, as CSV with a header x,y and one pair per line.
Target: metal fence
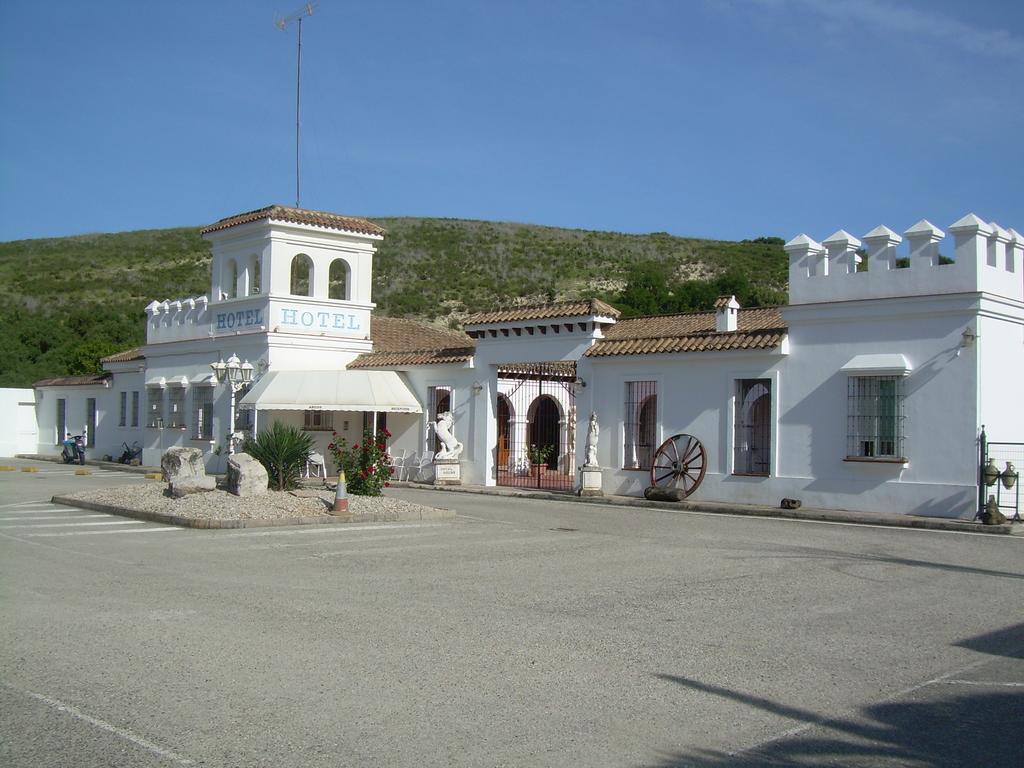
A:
x,y
536,426
997,476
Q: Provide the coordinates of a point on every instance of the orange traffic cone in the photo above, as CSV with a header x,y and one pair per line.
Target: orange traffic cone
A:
x,y
341,495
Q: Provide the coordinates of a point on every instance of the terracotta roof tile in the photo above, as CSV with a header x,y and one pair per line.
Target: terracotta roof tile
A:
x,y
426,357
299,216
128,355
74,381
392,334
758,328
398,342
544,312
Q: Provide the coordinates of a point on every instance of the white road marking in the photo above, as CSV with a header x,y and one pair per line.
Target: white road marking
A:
x,y
46,516
982,683
68,525
41,510
118,532
123,733
322,529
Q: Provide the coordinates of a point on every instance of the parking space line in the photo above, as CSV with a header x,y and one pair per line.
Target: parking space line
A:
x,y
45,515
123,733
68,525
118,532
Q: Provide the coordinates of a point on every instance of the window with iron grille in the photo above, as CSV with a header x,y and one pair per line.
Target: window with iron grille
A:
x,y
317,421
439,400
62,419
752,427
640,424
90,420
135,409
154,407
202,413
176,407
123,420
875,417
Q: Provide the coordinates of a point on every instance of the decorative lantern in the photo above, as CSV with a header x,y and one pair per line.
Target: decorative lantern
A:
x,y
991,472
1009,476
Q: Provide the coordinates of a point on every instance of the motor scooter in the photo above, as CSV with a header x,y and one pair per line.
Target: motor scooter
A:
x,y
74,449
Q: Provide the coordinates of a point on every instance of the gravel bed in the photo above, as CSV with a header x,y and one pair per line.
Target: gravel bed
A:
x,y
221,505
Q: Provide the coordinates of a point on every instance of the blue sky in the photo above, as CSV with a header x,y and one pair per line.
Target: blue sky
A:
x,y
710,118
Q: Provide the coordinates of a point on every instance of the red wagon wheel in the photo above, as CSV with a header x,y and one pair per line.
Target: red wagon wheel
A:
x,y
679,462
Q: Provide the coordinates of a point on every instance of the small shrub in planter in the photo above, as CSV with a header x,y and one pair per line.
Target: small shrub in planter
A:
x,y
282,450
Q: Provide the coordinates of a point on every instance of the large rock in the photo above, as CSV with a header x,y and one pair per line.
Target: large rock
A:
x,y
179,463
185,473
246,476
654,493
186,485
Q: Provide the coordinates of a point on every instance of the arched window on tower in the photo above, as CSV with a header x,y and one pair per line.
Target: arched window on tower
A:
x,y
302,275
255,264
338,282
229,280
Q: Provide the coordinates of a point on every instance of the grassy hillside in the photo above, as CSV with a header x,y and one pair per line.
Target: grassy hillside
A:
x,y
65,302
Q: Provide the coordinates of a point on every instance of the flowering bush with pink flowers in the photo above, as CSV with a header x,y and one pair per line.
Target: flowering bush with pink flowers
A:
x,y
367,465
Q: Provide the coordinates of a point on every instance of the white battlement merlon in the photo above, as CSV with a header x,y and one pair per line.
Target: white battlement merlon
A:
x,y
971,237
801,250
1014,251
997,243
842,253
924,238
881,242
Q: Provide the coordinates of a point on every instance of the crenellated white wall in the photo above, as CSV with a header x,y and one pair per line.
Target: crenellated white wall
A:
x,y
987,258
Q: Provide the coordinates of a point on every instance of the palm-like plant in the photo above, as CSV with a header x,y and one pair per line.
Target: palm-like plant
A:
x,y
283,451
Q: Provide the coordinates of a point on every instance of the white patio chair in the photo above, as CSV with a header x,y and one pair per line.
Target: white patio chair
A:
x,y
315,466
425,461
399,462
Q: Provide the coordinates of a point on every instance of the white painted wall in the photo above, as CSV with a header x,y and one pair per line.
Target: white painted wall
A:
x,y
20,433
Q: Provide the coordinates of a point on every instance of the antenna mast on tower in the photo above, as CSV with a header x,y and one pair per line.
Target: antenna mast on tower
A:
x,y
282,22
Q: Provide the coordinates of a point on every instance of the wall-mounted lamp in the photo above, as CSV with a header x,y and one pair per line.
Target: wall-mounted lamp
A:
x,y
579,384
477,387
967,338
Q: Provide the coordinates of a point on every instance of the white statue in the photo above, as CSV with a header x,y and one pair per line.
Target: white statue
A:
x,y
450,447
592,433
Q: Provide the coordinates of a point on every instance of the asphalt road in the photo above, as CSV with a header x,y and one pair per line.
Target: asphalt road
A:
x,y
525,633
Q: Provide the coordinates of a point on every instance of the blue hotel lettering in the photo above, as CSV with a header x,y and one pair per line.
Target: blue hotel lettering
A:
x,y
242,319
308,319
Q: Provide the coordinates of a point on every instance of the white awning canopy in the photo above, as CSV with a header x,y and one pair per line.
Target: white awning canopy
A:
x,y
878,365
380,391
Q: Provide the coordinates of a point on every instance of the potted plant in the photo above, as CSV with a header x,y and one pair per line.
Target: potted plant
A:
x,y
538,454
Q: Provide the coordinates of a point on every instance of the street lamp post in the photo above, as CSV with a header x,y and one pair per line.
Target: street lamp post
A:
x,y
236,374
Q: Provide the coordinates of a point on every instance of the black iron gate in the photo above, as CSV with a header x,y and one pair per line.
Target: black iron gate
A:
x,y
998,476
537,425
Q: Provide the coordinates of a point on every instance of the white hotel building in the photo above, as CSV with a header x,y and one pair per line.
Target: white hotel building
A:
x,y
867,391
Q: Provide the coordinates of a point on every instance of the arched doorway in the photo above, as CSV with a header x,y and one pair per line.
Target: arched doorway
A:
x,y
504,432
535,413
543,430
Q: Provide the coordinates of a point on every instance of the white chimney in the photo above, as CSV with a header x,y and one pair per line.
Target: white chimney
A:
x,y
726,313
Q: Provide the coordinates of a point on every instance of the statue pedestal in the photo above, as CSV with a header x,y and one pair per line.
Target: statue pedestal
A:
x,y
590,481
447,472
